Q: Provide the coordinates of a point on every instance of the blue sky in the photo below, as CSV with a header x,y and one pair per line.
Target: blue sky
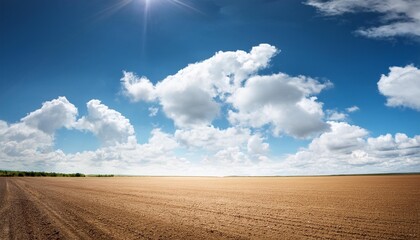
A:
x,y
316,87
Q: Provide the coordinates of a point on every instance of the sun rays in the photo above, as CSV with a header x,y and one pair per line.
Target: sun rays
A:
x,y
145,8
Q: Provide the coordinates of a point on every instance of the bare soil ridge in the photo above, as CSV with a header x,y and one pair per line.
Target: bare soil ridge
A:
x,y
357,207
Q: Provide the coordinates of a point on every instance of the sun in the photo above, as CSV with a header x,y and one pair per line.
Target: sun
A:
x,y
180,3
146,7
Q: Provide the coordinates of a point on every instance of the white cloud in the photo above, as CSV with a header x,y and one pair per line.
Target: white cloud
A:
x,y
26,147
20,139
162,141
107,124
189,106
343,137
158,149
153,157
230,157
399,146
256,145
283,101
401,87
352,109
34,134
212,138
53,115
382,143
137,88
231,146
30,142
398,17
189,96
345,149
349,149
336,116
195,95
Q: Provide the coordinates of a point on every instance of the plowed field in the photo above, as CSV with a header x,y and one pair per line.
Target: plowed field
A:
x,y
355,207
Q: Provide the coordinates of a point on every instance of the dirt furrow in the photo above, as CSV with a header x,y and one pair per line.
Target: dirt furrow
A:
x,y
67,221
297,224
5,206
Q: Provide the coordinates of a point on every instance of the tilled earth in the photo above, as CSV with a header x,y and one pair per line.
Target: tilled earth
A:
x,y
345,207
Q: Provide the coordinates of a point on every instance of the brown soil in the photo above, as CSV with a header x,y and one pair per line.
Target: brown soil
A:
x,y
356,207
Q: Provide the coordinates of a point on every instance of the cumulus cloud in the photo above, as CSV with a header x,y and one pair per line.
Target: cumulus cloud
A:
x,y
212,138
349,148
189,106
20,139
256,145
231,146
398,17
30,147
285,102
156,156
137,88
31,140
398,146
53,115
107,124
34,134
162,141
343,138
158,149
231,156
401,87
195,95
189,96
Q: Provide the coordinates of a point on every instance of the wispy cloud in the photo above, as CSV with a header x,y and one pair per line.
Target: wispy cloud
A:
x,y
153,111
352,109
397,17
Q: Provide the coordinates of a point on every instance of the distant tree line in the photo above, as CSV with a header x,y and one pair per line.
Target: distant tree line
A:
x,y
100,175
6,173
